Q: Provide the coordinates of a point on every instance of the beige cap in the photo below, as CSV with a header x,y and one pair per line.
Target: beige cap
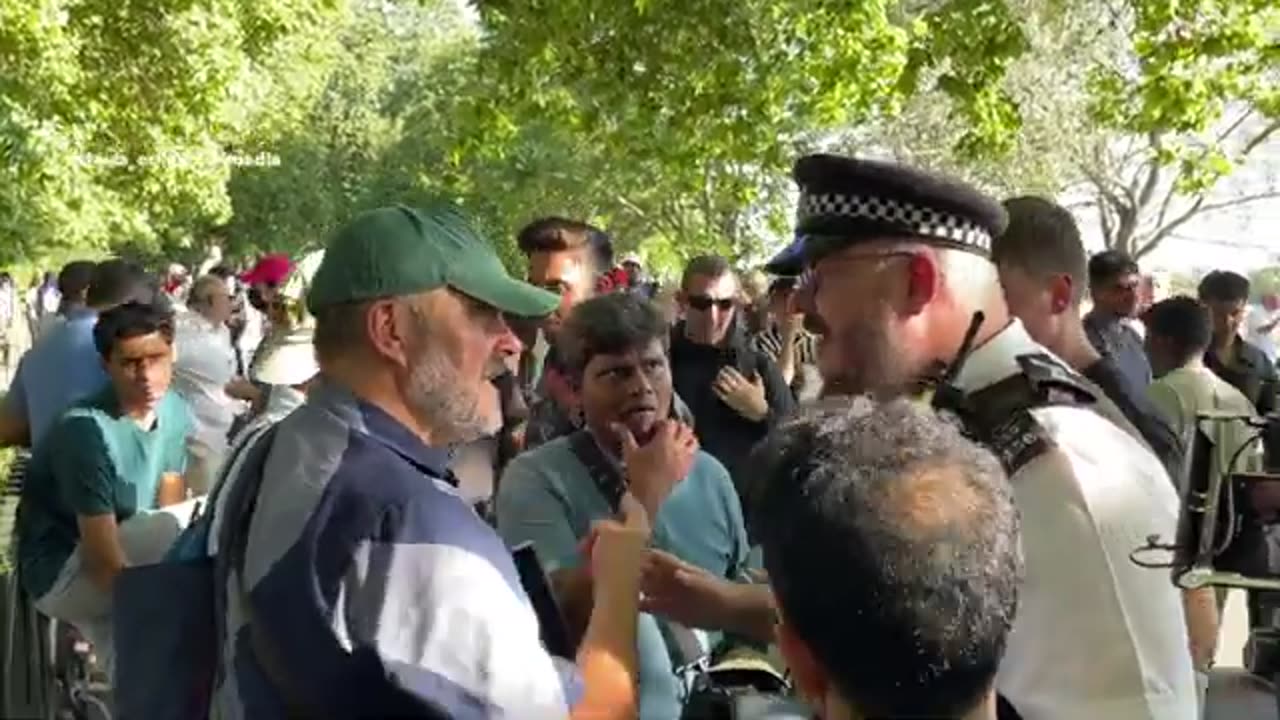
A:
x,y
287,360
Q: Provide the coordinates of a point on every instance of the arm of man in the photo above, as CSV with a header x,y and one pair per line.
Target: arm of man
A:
x,y
1267,398
777,391
1268,325
608,657
1201,608
83,469
693,597
528,511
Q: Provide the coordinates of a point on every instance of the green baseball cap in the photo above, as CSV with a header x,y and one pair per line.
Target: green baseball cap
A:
x,y
396,251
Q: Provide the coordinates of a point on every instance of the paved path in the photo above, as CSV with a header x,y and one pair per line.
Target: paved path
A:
x,y
1233,693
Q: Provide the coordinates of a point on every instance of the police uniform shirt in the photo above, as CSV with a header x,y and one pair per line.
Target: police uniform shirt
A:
x,y
1095,636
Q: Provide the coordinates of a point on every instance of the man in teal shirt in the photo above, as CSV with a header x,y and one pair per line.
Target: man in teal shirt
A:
x,y
614,350
85,511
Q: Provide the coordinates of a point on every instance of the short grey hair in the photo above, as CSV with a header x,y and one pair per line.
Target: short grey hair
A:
x,y
198,295
339,329
920,523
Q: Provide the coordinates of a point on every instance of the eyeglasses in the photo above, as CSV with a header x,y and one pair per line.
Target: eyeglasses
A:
x,y
808,283
702,302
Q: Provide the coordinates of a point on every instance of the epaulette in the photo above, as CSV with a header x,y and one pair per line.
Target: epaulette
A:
x,y
1000,416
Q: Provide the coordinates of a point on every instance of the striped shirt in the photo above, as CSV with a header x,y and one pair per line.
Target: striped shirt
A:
x,y
359,544
769,342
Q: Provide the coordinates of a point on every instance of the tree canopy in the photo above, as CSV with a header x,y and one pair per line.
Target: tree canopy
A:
x,y
158,126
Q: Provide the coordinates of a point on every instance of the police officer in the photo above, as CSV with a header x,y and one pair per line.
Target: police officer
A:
x,y
899,272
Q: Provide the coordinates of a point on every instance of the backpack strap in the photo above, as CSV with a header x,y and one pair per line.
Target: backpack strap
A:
x,y
607,479
682,643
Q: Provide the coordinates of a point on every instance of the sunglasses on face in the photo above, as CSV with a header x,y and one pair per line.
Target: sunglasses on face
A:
x,y
702,302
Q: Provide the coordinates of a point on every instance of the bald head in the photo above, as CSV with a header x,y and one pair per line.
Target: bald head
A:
x,y
907,508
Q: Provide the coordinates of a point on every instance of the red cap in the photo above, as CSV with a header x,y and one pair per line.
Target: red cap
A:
x,y
269,270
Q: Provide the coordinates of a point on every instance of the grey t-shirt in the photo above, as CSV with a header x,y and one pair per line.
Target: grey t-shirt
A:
x,y
1111,337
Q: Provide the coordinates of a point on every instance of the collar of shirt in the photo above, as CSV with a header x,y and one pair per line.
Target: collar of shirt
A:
x,y
997,358
283,400
1246,357
377,424
81,314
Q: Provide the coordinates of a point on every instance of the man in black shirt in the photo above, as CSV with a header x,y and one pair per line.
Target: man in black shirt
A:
x,y
1042,268
1234,359
1113,284
735,391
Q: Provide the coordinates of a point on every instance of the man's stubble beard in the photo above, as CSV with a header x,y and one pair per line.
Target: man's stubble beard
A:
x,y
885,369
442,400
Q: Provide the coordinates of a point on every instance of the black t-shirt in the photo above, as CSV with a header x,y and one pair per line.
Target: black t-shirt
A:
x,y
1251,373
1133,403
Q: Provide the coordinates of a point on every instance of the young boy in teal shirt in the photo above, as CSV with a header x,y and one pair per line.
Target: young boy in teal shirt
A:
x,y
84,513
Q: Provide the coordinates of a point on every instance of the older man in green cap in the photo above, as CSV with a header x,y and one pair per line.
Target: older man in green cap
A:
x,y
374,590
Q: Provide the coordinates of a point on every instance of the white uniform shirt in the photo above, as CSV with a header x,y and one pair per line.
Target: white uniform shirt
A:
x,y
1096,636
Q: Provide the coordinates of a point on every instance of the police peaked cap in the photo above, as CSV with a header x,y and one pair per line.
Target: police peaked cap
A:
x,y
844,201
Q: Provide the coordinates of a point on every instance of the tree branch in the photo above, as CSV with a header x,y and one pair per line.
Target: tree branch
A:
x,y
1222,136
1163,232
1153,174
1242,200
1104,192
1164,206
1104,220
1262,136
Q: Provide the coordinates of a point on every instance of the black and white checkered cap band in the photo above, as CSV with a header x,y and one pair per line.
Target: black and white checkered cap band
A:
x,y
915,219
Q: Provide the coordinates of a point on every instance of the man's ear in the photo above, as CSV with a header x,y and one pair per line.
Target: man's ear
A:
x,y
810,679
924,277
1061,292
385,332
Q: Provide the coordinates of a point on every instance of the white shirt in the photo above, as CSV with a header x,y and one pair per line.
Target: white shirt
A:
x,y
205,364
1266,342
1096,636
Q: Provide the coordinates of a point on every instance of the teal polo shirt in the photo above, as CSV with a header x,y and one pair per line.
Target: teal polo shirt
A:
x,y
92,461
547,497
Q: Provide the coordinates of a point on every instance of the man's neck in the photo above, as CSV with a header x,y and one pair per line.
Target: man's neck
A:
x,y
995,319
378,389
213,324
985,710
143,416
1106,314
1225,347
701,343
1074,347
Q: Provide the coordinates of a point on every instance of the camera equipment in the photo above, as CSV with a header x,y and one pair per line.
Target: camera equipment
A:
x,y
1230,488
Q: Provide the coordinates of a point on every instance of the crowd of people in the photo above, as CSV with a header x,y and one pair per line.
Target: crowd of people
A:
x,y
905,472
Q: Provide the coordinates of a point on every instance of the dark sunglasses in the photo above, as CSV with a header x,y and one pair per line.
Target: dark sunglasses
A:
x,y
702,302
